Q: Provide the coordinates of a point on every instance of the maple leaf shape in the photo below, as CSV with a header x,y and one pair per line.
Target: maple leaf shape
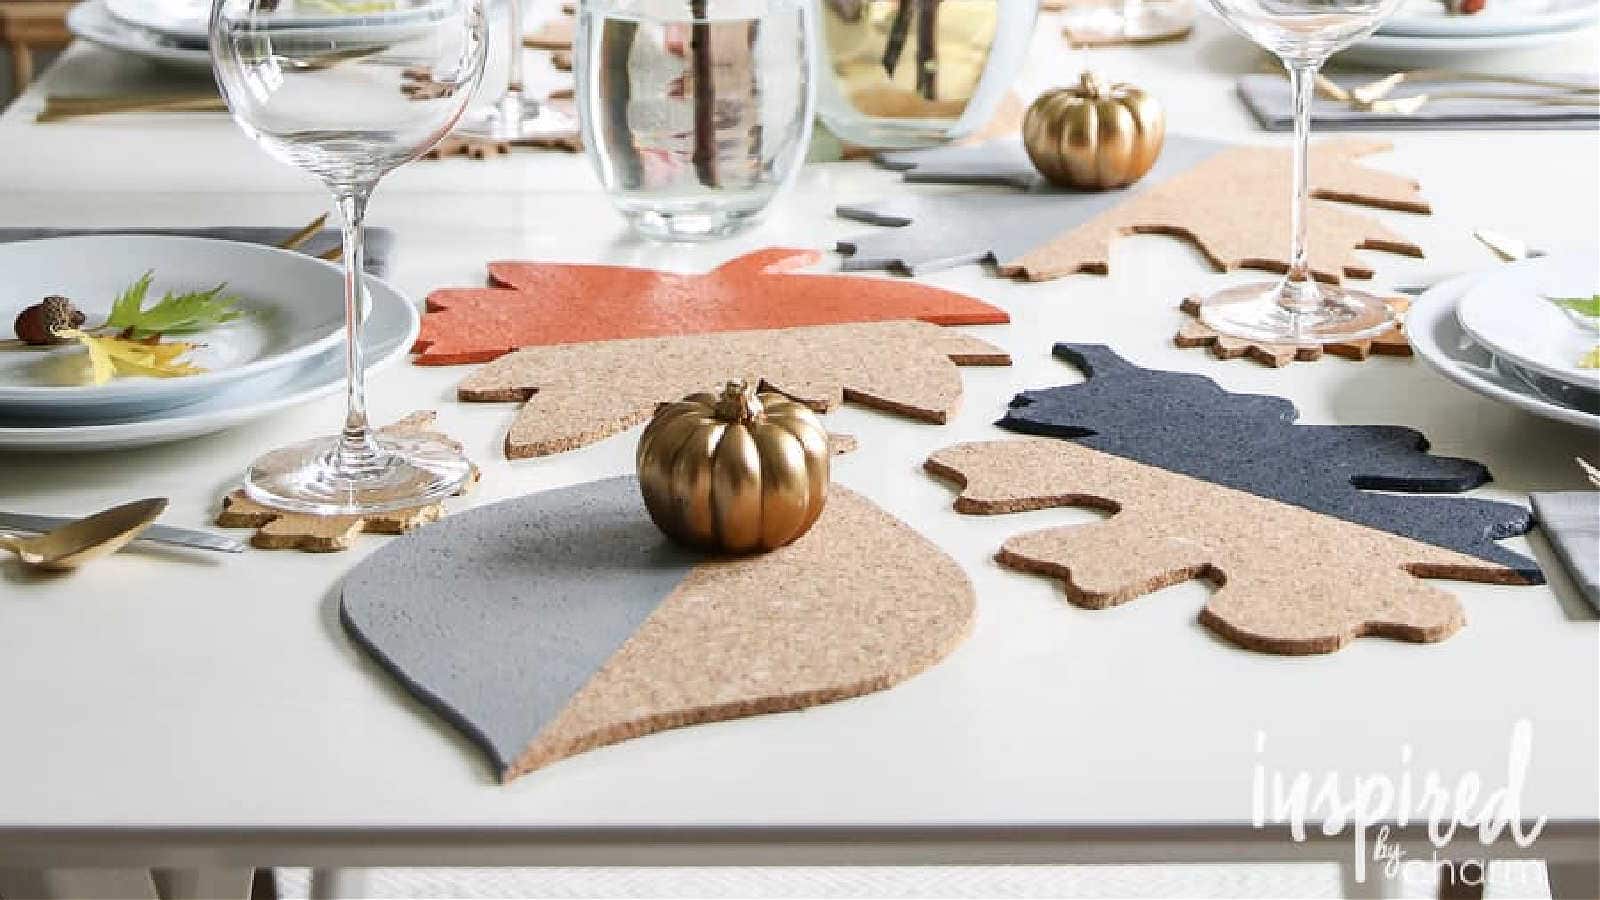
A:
x,y
1195,333
533,304
1232,203
579,393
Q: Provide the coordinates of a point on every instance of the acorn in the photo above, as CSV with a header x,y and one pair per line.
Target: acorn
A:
x,y
39,323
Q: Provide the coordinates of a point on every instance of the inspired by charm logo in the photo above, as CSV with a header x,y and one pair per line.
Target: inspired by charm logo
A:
x,y
1367,805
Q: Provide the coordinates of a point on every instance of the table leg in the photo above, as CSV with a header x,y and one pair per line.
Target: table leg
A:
x,y
77,884
338,884
203,884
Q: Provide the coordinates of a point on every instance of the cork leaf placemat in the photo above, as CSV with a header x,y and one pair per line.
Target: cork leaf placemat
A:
x,y
277,529
1307,530
552,624
1230,202
536,303
576,394
1194,333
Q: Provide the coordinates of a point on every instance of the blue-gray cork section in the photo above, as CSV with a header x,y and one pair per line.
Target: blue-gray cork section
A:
x,y
936,231
1188,424
497,616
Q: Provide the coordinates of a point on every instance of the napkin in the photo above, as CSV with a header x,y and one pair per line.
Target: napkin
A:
x,y
379,241
1571,520
1267,97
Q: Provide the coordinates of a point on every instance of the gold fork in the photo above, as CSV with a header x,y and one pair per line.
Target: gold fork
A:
x,y
307,232
57,109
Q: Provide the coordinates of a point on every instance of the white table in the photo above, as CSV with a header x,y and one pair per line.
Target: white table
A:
x,y
211,714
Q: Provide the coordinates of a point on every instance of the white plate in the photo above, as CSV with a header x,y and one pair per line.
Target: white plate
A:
x,y
1506,311
90,21
292,302
391,329
1429,18
1437,339
189,20
1408,51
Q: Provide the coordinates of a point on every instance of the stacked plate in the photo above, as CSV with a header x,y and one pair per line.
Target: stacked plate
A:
x,y
1520,334
1425,32
175,32
285,350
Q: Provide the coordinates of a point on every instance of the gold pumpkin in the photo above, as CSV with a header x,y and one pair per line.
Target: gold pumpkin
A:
x,y
736,472
1094,137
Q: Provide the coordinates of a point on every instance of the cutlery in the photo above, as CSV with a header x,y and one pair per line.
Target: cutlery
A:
x,y
1405,106
1377,90
1505,247
298,239
81,540
155,534
57,109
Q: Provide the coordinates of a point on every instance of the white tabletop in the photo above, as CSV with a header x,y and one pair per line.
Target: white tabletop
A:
x,y
220,695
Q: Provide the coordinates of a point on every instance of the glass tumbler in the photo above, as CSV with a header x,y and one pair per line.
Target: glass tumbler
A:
x,y
695,113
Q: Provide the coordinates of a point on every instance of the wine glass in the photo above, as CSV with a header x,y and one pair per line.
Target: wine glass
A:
x,y
1129,21
317,83
514,116
1297,309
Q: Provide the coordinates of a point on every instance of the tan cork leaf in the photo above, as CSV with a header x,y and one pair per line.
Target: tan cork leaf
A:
x,y
576,394
1288,580
1235,207
1194,333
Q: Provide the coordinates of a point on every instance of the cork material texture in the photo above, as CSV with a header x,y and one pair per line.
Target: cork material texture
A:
x,y
1194,333
576,394
537,303
555,34
580,625
1288,580
1231,203
278,529
1363,474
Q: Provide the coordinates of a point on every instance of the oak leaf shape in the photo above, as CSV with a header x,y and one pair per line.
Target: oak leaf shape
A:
x,y
532,304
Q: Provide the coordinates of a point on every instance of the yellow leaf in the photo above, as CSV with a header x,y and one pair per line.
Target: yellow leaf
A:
x,y
109,356
1591,360
101,368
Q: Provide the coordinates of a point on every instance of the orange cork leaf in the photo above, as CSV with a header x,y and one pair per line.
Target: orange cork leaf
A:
x,y
532,304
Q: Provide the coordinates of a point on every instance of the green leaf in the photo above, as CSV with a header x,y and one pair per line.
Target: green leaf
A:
x,y
1583,306
173,313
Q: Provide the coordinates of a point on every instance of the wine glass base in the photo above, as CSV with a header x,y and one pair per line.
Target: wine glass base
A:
x,y
1116,22
1265,313
409,472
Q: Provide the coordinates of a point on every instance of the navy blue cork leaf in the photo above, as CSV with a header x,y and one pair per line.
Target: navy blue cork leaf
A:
x,y
1187,424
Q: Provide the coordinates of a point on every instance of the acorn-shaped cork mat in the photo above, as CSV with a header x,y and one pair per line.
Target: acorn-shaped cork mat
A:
x,y
563,621
1231,202
576,394
278,529
1307,531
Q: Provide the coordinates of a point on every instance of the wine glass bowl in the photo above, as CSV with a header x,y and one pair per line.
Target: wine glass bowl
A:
x,y
1298,309
318,84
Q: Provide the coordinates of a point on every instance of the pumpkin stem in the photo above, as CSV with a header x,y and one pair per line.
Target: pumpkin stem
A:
x,y
739,403
1091,85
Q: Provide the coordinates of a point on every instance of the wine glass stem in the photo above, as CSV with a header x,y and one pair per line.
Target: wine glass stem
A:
x,y
514,61
358,454
1299,287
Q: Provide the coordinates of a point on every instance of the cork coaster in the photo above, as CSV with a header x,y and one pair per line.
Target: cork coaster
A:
x,y
1230,202
552,624
536,303
473,147
277,529
555,34
577,394
1307,531
1194,333
561,60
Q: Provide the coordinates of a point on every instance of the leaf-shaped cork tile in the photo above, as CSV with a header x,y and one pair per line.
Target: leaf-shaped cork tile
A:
x,y
555,34
535,303
1306,530
1231,202
1194,333
577,394
277,529
552,624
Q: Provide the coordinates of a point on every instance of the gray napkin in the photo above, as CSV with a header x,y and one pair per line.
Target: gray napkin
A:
x,y
1267,97
1571,520
379,243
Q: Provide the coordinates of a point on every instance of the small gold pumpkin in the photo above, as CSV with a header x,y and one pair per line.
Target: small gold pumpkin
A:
x,y
735,472
1094,137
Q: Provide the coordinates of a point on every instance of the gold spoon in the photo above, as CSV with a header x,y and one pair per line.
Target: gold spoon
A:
x,y
75,544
